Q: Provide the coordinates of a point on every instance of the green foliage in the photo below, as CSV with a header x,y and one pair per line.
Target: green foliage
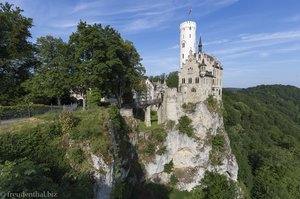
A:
x,y
102,59
214,186
34,160
185,126
67,121
170,124
173,180
159,134
172,79
16,53
218,144
189,107
52,75
212,103
161,150
77,155
264,134
93,98
168,168
25,175
150,150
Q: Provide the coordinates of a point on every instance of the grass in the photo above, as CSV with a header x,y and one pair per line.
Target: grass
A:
x,y
20,125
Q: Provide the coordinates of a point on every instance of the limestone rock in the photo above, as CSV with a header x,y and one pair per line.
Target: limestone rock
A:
x,y
103,174
191,155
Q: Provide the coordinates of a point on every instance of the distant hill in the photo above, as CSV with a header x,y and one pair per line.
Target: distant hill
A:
x,y
263,124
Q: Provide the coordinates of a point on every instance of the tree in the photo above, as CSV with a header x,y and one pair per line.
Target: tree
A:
x,y
104,61
16,53
52,76
88,55
172,79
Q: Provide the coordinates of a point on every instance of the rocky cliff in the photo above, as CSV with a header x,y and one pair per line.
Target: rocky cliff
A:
x,y
208,149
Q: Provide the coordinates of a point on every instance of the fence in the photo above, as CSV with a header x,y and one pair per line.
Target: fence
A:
x,y
20,111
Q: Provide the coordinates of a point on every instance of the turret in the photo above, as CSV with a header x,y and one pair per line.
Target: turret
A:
x,y
187,40
200,45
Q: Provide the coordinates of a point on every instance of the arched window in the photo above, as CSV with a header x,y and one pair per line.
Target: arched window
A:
x,y
197,80
183,45
193,90
183,80
190,80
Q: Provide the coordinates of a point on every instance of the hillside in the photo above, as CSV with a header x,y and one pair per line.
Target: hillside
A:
x,y
263,124
96,150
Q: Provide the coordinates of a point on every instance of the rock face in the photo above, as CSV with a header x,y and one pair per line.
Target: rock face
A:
x,y
191,155
103,175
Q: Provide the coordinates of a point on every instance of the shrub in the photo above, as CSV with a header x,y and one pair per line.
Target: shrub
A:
x,y
173,180
170,124
185,125
159,134
212,103
150,149
77,155
189,107
68,121
168,168
218,142
161,150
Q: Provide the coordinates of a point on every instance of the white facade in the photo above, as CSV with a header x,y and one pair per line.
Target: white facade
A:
x,y
187,40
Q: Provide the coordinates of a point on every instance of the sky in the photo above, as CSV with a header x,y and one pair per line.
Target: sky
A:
x,y
257,41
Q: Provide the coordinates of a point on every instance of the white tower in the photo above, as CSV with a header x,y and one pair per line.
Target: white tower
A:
x,y
187,40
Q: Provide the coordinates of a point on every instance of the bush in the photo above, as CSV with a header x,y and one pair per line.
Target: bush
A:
x,y
161,150
212,103
173,180
168,168
77,155
189,107
185,125
170,124
159,134
218,142
68,121
150,149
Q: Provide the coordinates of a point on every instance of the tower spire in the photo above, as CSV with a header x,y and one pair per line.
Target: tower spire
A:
x,y
200,45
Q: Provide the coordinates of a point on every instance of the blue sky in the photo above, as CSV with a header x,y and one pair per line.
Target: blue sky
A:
x,y
257,41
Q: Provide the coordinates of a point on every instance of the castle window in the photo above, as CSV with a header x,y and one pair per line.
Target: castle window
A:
x,y
197,80
183,45
183,80
190,80
193,90
182,56
190,28
219,91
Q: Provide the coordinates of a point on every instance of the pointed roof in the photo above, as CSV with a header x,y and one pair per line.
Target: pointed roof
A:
x,y
200,45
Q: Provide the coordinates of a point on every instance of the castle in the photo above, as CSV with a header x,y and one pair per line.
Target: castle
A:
x,y
200,76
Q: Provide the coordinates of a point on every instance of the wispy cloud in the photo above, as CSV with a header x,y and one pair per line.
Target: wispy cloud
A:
x,y
294,18
272,36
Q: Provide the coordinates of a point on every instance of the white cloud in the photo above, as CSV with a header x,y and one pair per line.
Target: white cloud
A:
x,y
272,36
